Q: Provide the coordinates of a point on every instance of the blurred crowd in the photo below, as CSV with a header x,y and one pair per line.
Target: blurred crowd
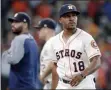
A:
x,y
95,18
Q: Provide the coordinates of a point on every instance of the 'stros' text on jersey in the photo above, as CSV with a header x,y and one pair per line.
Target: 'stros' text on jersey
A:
x,y
71,54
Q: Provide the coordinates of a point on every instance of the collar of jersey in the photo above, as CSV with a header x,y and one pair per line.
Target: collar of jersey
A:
x,y
71,38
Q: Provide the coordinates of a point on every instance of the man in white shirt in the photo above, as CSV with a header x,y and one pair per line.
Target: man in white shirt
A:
x,y
75,52
46,29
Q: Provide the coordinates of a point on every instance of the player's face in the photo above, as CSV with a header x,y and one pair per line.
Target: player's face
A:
x,y
42,33
69,21
17,27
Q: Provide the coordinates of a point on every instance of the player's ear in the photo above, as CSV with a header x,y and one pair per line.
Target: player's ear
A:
x,y
59,20
25,25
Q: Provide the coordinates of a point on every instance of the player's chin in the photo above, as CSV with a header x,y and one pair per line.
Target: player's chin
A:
x,y
14,31
71,28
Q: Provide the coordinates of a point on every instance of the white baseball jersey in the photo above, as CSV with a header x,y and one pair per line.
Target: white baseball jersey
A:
x,y
72,57
44,60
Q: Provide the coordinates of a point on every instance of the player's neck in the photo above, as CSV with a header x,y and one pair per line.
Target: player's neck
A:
x,y
25,31
69,32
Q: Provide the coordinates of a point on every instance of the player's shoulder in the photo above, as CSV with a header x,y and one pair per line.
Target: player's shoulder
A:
x,y
54,38
22,37
46,45
85,34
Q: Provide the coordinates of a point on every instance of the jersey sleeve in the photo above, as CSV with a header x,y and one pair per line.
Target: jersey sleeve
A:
x,y
91,47
15,53
47,52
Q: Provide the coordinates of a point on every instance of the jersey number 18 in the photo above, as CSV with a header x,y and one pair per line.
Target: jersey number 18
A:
x,y
80,64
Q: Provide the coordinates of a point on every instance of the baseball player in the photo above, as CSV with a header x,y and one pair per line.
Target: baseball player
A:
x,y
46,29
23,55
75,52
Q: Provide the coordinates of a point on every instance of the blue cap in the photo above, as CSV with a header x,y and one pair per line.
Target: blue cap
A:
x,y
47,22
20,17
68,8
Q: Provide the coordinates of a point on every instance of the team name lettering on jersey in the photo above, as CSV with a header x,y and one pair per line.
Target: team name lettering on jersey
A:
x,y
67,53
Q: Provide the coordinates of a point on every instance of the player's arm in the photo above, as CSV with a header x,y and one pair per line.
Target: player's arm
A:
x,y
46,72
55,77
94,65
15,53
50,69
50,57
94,55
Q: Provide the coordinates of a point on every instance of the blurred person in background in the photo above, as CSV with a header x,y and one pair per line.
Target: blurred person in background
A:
x,y
104,73
46,29
23,55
